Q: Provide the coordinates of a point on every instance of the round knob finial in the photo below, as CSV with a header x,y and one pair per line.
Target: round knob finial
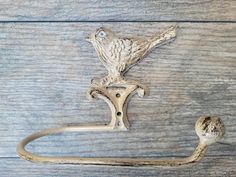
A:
x,y
209,129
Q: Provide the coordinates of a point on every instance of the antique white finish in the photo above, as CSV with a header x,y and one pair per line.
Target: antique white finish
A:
x,y
118,55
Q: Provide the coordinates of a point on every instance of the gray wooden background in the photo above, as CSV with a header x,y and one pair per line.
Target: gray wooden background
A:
x,y
45,71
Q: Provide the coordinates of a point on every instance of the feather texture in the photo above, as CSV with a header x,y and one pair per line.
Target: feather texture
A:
x,y
119,54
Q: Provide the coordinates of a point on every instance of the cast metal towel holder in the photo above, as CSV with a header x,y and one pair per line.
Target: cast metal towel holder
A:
x,y
118,55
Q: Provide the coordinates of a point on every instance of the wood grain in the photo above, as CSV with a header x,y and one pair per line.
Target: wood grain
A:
x,y
45,72
122,10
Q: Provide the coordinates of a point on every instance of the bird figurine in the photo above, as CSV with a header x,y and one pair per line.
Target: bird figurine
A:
x,y
119,54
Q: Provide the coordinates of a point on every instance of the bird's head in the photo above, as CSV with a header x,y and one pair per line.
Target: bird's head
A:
x,y
101,37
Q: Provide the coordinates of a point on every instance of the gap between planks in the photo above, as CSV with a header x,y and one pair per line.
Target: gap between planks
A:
x,y
113,21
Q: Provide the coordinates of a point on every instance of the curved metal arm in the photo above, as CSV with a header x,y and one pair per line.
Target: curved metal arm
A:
x,y
209,130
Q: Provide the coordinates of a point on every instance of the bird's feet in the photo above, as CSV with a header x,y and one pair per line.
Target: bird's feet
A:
x,y
107,80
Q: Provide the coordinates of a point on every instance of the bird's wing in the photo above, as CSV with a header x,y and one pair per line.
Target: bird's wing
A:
x,y
120,49
138,50
124,52
119,53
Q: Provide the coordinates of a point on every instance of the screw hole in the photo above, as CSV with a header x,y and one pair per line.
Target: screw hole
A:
x,y
117,95
118,113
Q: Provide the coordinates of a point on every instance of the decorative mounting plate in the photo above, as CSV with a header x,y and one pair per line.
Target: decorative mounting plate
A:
x,y
118,55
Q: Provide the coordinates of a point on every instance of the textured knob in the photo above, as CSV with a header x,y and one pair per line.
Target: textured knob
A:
x,y
210,129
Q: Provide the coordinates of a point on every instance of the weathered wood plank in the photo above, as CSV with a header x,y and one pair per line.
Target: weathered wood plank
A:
x,y
45,71
122,10
211,166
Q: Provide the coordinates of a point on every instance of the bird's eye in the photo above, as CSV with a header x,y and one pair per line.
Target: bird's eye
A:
x,y
102,34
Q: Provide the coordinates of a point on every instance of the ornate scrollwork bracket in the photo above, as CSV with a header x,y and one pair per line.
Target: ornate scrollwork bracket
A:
x,y
117,97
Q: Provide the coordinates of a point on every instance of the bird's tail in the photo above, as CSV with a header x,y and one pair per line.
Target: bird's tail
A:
x,y
163,37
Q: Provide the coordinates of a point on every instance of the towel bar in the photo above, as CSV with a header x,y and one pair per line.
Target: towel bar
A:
x,y
118,55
